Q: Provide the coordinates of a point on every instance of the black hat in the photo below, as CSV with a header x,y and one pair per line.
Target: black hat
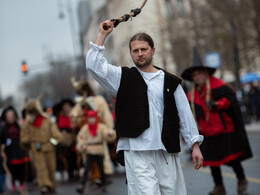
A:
x,y
196,65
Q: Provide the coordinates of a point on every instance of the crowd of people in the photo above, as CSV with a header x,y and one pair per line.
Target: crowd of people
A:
x,y
78,136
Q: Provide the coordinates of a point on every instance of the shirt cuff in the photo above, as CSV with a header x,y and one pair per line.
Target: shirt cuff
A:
x,y
96,47
198,138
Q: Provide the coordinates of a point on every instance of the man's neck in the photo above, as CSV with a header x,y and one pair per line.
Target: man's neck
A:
x,y
149,69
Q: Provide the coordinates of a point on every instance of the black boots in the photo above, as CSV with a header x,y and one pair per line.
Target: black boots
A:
x,y
218,190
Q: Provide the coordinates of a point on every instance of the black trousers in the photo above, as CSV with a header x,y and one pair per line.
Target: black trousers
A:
x,y
90,160
18,172
236,166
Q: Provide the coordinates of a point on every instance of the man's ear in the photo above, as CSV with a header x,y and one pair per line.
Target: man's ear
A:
x,y
153,50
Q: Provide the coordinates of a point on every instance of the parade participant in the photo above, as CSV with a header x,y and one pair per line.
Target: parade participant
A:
x,y
89,101
66,154
16,157
2,174
90,142
151,111
2,171
219,119
40,135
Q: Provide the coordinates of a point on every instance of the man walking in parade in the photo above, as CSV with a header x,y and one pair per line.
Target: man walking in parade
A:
x,y
151,111
219,119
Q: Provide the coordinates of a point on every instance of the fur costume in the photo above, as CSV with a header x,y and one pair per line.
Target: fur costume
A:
x,y
37,135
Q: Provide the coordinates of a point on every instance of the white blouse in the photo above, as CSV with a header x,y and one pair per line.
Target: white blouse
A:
x,y
109,77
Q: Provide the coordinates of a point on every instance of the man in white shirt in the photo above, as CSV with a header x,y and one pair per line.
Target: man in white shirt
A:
x,y
151,111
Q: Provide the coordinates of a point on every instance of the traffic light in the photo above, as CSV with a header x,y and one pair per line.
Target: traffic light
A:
x,y
24,67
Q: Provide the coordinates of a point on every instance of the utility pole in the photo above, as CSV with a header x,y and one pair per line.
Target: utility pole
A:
x,y
236,59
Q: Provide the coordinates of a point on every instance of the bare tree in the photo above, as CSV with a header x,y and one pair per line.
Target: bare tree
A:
x,y
54,84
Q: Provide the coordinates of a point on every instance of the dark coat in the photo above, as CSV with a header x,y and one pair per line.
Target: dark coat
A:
x,y
15,154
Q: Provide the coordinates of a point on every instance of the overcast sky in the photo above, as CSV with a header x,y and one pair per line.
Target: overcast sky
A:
x,y
30,30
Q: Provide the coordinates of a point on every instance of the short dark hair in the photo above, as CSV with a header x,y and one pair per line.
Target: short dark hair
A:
x,y
142,37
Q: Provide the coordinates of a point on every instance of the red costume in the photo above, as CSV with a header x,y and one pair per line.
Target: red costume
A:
x,y
222,125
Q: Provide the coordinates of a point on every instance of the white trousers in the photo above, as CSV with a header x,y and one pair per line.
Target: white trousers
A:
x,y
154,173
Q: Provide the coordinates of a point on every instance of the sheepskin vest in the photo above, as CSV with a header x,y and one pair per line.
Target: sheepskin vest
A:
x,y
132,108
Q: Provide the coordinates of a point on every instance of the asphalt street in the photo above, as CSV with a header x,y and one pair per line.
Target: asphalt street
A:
x,y
197,182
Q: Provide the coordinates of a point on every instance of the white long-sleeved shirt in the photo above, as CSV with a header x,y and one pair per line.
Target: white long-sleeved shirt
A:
x,y
109,77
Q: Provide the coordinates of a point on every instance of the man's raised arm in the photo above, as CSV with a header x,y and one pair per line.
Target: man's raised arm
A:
x,y
104,33
107,75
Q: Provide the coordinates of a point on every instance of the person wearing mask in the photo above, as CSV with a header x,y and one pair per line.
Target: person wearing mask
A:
x,y
90,141
40,135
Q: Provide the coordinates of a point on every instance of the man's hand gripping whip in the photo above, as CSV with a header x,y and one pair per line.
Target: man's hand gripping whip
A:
x,y
124,18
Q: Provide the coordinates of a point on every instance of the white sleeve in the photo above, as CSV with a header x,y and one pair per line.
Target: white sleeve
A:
x,y
188,127
107,75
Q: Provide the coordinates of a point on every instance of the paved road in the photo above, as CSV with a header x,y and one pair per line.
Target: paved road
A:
x,y
197,182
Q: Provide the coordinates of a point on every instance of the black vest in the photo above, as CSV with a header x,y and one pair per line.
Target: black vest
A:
x,y
132,108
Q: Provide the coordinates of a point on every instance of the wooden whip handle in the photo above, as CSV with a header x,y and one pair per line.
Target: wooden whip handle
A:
x,y
106,27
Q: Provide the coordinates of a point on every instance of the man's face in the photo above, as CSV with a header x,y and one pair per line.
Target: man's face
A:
x,y
141,53
199,77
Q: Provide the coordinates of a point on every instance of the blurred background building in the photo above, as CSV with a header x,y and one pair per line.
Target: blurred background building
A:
x,y
226,33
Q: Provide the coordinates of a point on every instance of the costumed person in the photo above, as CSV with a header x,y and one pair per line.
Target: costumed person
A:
x,y
88,101
151,111
66,153
2,171
90,142
2,174
219,119
17,159
40,135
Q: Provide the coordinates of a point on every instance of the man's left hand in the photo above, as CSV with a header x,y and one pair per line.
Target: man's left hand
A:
x,y
197,157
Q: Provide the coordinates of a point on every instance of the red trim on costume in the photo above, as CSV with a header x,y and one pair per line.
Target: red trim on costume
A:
x,y
64,122
223,161
216,82
223,103
114,115
38,121
20,161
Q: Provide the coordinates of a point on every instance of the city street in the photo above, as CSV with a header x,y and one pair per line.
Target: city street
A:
x,y
197,182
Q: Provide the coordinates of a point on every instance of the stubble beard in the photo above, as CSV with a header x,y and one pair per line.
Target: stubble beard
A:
x,y
146,64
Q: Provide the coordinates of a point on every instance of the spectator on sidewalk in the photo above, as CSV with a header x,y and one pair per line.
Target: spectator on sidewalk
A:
x,y
254,100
